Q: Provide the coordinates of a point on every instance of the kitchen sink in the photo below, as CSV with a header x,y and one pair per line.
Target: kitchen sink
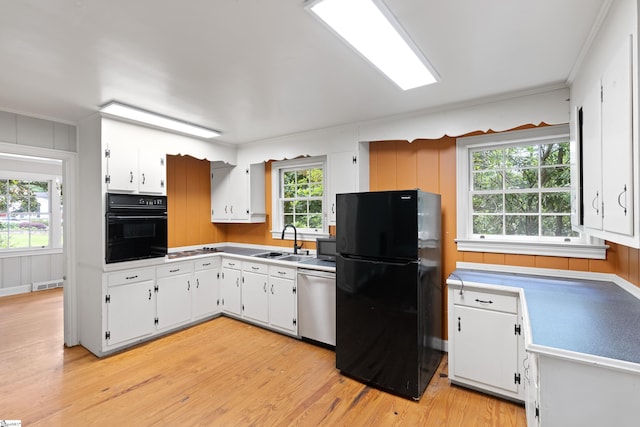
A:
x,y
269,254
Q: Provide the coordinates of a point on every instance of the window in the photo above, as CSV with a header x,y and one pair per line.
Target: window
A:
x,y
299,196
514,194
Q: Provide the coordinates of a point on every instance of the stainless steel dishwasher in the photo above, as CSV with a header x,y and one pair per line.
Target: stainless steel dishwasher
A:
x,y
317,305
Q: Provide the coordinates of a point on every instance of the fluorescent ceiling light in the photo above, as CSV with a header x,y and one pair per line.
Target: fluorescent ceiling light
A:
x,y
370,28
117,109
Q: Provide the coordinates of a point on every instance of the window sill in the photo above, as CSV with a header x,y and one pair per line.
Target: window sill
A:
x,y
310,237
568,250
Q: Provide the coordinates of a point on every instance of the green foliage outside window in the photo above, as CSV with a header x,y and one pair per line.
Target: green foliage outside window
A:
x,y
302,194
22,224
522,191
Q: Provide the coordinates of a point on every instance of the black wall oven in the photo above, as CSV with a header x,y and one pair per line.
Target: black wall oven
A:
x,y
136,227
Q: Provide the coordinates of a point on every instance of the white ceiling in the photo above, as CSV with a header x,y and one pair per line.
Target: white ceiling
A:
x,y
256,69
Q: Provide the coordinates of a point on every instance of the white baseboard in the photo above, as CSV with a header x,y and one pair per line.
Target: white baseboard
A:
x,y
15,290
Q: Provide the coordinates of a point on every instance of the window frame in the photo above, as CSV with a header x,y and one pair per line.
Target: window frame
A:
x,y
55,215
583,246
277,167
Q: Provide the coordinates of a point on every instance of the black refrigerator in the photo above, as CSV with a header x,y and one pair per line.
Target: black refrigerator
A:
x,y
389,290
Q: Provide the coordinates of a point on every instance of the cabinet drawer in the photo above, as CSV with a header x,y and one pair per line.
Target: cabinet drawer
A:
x,y
231,263
174,269
486,300
207,263
130,276
255,267
283,272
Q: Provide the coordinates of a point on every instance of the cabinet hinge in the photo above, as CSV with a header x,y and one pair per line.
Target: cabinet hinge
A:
x,y
156,321
246,171
294,289
161,161
516,378
107,179
242,307
537,411
517,330
354,160
107,335
162,183
107,299
601,94
155,288
294,322
107,153
217,275
218,301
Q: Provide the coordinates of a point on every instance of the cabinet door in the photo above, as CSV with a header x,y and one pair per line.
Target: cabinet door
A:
x,y
486,347
239,194
283,304
342,174
122,168
255,301
230,291
206,293
219,194
152,172
130,311
532,390
617,143
592,159
174,300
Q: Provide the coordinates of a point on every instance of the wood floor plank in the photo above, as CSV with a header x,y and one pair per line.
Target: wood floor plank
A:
x,y
219,373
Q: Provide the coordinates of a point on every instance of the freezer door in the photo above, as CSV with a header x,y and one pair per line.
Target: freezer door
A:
x,y
377,324
378,224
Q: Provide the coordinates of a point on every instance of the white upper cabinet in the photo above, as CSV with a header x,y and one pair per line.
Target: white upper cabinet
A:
x,y
342,176
134,170
592,158
238,193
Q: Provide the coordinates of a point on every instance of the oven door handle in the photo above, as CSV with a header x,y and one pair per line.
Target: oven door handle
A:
x,y
143,217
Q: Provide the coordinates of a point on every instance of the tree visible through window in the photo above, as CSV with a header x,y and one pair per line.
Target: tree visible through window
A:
x,y
24,214
521,190
302,193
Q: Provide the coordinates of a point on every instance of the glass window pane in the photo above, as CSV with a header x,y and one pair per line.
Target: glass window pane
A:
x,y
487,224
315,206
288,219
554,154
302,190
555,177
557,225
316,175
315,190
288,207
521,225
289,178
488,203
303,176
521,202
521,178
315,221
487,181
487,159
521,157
556,202
301,221
289,191
301,206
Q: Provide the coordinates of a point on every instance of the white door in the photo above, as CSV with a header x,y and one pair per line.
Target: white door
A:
x,y
130,311
617,143
255,301
592,159
173,300
220,194
282,304
206,293
122,168
486,347
239,193
342,178
230,291
152,172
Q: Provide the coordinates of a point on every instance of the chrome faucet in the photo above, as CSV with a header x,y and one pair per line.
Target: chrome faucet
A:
x,y
295,237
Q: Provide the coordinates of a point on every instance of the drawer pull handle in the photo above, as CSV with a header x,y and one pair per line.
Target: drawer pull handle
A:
x,y
206,264
131,277
255,268
173,271
484,301
282,272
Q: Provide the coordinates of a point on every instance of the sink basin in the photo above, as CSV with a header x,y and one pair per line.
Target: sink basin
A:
x,y
294,258
269,254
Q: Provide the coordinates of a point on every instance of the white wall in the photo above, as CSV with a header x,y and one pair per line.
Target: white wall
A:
x,y
32,136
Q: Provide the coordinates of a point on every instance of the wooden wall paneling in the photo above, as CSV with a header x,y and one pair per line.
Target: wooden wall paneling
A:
x,y
429,164
608,265
493,258
559,263
622,262
406,165
194,183
473,257
520,260
446,187
634,266
387,165
373,166
579,264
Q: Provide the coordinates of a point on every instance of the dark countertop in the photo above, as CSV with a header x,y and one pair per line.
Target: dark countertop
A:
x,y
586,316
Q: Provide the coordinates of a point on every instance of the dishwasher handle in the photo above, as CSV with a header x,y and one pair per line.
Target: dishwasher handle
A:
x,y
316,273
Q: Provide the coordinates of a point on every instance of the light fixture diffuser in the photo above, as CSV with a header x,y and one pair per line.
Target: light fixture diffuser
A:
x,y
370,28
125,111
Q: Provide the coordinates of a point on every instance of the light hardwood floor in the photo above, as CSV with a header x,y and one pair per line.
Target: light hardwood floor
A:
x,y
219,373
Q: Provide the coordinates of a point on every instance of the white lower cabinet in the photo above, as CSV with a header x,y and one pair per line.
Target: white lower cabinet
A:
x,y
206,294
283,299
485,341
255,300
130,306
532,390
173,295
230,291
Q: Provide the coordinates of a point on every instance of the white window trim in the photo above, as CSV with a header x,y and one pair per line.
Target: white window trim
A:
x,y
55,229
276,216
583,247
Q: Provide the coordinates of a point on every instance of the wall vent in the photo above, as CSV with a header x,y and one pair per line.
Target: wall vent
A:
x,y
41,286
